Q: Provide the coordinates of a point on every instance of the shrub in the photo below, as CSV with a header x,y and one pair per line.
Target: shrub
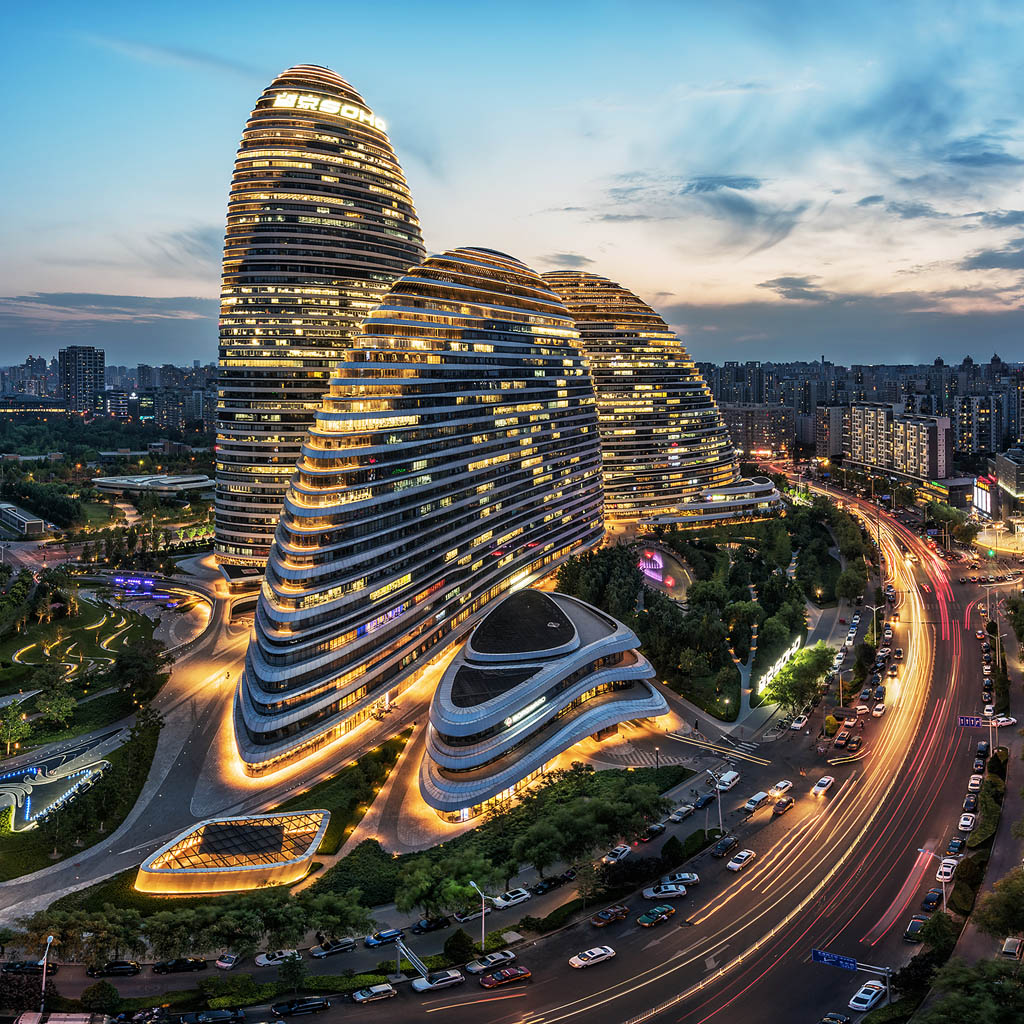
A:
x,y
327,983
961,899
459,947
369,868
696,841
251,996
555,919
101,997
673,852
895,1013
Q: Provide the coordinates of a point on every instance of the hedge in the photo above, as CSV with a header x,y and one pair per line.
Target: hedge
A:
x,y
434,962
895,1013
328,984
249,997
555,919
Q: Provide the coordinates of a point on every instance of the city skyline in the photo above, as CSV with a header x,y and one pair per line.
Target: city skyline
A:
x,y
857,184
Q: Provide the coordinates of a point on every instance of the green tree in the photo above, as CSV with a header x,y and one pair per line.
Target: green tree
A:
x,y
292,973
850,584
940,933
459,947
797,682
1001,912
14,725
56,704
101,997
987,992
540,846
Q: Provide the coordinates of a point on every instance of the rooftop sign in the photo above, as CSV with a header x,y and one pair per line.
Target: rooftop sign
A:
x,y
324,104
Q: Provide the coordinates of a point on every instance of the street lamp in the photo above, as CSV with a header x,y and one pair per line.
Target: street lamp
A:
x,y
483,917
874,618
46,957
657,758
718,799
935,856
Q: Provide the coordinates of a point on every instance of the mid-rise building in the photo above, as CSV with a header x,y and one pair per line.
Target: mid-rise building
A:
x,y
760,430
828,431
537,675
320,222
978,423
662,438
82,378
456,456
880,437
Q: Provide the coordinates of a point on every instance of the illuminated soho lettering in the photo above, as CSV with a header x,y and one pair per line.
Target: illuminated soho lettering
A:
x,y
769,676
310,101
521,714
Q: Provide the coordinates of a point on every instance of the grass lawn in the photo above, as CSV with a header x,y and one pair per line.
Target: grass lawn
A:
x,y
24,852
701,691
93,714
97,514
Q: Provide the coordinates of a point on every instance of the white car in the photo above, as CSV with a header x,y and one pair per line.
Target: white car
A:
x,y
589,957
947,868
513,898
989,711
986,670
741,860
878,710
661,891
823,785
438,980
967,822
868,996
615,855
278,956
780,787
856,618
974,783
1004,721
227,961
798,723
491,961
850,641
681,812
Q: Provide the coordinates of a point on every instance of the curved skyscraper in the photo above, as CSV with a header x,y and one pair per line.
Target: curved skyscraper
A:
x,y
320,223
663,440
455,456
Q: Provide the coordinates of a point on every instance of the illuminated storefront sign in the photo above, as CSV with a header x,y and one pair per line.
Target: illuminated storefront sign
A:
x,y
520,715
983,488
769,676
324,104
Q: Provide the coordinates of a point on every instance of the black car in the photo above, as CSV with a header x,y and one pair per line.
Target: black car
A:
x,y
235,1016
703,800
971,802
955,846
29,967
835,1018
297,1007
979,764
983,748
429,924
568,875
652,832
115,969
879,693
547,885
179,964
723,846
913,932
932,900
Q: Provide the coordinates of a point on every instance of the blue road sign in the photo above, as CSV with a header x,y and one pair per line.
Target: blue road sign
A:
x,y
823,956
932,532
971,722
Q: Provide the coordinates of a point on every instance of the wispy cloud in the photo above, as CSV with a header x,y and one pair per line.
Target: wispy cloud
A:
x,y
569,260
153,53
67,310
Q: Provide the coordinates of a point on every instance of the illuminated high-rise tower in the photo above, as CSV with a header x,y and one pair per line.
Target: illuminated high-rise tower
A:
x,y
320,223
664,445
456,456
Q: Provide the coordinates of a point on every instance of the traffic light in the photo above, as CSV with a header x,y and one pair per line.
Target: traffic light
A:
x,y
991,553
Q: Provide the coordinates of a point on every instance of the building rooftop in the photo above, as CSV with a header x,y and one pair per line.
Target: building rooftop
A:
x,y
527,621
473,685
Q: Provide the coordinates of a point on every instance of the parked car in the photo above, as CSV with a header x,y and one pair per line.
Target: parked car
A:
x,y
589,957
545,885
114,969
473,914
437,980
491,962
971,802
842,738
682,812
225,1016
665,892
932,900
723,846
967,822
741,860
704,800
374,993
181,964
431,924
914,926
506,976
300,1007
332,946
1012,948
680,878
956,846
856,742
656,915
947,868
512,898
616,854
277,957
1004,721
798,723
389,935
652,832
609,914
227,961
28,967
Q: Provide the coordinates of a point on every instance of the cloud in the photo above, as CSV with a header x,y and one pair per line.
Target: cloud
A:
x,y
155,54
911,210
58,310
1002,218
715,182
870,200
571,260
980,152
1010,257
190,251
797,288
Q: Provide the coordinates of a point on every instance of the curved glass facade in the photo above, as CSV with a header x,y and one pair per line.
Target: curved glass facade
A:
x,y
319,224
663,440
455,455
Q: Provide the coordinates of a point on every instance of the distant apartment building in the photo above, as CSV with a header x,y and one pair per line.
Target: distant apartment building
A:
x,y
828,431
81,369
978,423
760,429
881,437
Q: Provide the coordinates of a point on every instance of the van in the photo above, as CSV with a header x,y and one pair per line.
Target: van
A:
x,y
727,781
755,801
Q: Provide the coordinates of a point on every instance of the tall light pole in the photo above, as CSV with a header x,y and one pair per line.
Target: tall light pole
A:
x,y
718,799
483,917
935,856
46,957
874,619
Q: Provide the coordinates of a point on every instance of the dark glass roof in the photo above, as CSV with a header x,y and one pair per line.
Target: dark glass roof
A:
x,y
473,686
526,621
243,842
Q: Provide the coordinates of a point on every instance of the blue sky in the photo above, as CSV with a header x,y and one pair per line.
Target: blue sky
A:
x,y
781,180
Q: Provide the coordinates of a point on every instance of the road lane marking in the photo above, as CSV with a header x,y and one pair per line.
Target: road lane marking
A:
x,y
474,1002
